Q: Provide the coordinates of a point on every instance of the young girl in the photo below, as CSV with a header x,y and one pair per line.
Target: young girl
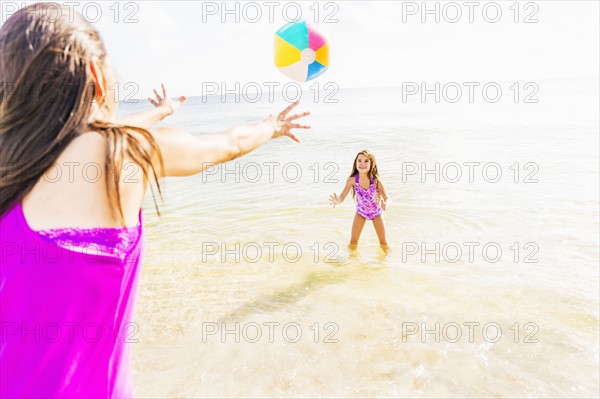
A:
x,y
370,195
72,244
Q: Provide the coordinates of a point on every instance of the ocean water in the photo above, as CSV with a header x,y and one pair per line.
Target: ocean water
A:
x,y
490,287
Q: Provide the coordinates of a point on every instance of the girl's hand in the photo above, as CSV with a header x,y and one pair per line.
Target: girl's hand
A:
x,y
165,103
334,199
282,124
384,203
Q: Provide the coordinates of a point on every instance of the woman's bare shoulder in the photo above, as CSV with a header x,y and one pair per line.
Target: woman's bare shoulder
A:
x,y
88,146
74,187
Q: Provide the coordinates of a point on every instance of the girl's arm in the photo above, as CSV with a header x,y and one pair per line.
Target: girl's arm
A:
x,y
382,194
334,199
163,107
184,154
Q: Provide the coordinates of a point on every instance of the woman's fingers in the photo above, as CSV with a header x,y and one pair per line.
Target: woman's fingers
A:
x,y
283,122
164,90
153,102
288,109
296,126
293,137
157,96
297,116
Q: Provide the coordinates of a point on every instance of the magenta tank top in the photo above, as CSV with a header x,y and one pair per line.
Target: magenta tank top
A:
x,y
66,304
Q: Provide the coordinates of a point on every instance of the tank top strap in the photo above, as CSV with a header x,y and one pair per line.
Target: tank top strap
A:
x,y
356,178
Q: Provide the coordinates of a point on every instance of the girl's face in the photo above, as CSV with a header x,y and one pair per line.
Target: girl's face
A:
x,y
363,163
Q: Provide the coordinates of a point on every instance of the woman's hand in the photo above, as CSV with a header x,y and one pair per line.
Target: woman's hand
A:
x,y
282,124
165,103
163,107
334,199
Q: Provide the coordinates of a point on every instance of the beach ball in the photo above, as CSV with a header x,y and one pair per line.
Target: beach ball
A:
x,y
301,53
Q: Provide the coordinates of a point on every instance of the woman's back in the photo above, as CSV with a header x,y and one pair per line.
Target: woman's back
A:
x,y
75,189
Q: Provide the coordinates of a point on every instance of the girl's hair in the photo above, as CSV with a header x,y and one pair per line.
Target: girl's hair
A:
x,y
373,172
46,95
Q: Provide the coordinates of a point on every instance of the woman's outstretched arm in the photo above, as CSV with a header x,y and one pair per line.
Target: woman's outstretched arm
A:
x,y
184,154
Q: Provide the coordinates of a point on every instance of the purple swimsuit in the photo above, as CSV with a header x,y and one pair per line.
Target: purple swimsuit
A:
x,y
66,303
367,201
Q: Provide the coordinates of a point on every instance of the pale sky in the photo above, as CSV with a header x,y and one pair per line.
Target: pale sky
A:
x,y
370,45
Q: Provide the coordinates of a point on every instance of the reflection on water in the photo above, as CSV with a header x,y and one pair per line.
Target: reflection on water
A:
x,y
246,256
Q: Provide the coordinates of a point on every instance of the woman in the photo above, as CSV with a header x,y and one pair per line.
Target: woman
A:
x,y
72,183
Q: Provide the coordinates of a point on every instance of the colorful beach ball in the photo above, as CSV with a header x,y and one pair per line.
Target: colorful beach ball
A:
x,y
301,53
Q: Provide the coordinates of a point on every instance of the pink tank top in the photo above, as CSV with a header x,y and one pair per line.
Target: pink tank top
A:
x,y
66,303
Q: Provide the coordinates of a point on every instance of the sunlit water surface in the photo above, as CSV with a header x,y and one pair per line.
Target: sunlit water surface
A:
x,y
262,247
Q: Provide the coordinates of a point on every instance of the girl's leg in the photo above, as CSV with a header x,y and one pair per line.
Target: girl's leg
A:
x,y
357,226
380,230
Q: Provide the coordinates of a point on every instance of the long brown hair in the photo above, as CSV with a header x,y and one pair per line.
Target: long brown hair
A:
x,y
46,98
373,172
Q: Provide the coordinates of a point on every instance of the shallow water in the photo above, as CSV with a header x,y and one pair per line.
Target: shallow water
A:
x,y
267,249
